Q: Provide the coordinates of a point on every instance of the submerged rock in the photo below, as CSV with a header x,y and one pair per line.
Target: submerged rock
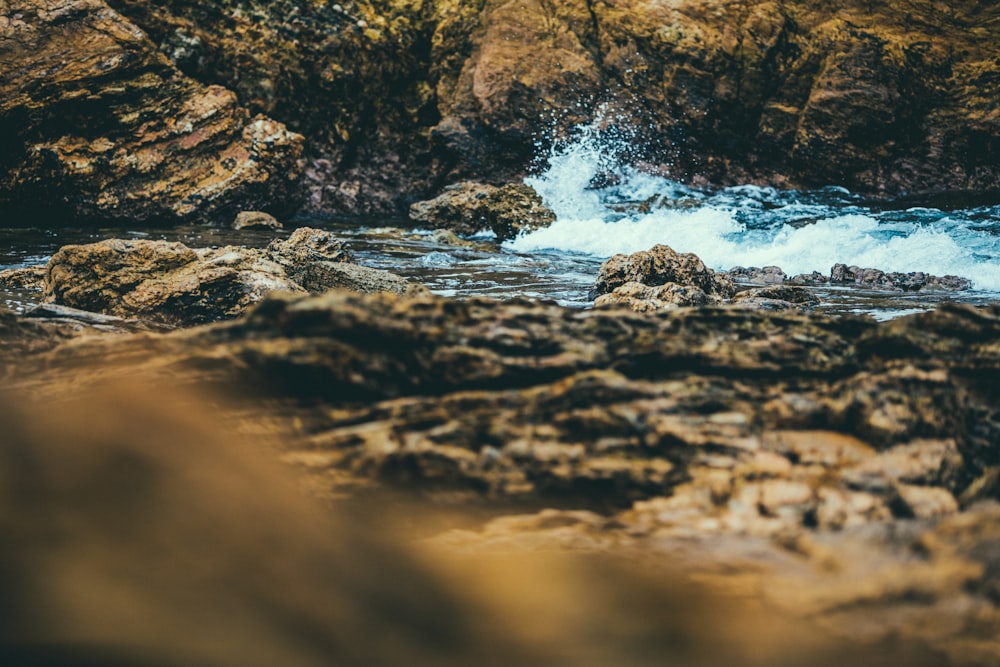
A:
x,y
169,282
468,208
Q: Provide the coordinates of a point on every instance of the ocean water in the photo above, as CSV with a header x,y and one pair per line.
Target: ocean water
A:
x,y
798,231
604,207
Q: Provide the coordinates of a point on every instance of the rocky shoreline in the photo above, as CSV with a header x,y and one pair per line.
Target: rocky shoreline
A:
x,y
847,470
234,455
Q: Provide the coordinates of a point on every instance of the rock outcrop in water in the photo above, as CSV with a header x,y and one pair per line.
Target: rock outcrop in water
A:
x,y
468,208
396,99
171,283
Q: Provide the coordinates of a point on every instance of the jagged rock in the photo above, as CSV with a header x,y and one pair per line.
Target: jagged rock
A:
x,y
899,282
753,275
30,277
657,266
405,96
776,297
255,220
644,298
468,208
97,123
813,279
835,463
813,419
306,245
169,282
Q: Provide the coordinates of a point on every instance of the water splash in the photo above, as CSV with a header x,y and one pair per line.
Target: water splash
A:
x,y
604,206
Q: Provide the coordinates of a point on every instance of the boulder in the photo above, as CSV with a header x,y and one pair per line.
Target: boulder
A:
x,y
468,208
658,266
776,297
645,298
841,274
255,220
97,123
171,283
754,275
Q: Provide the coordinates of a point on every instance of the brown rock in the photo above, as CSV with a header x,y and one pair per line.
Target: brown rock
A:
x,y
468,208
643,298
753,275
171,283
255,220
776,297
99,124
898,282
658,266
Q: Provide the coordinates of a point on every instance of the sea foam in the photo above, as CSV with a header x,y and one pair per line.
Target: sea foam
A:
x,y
748,226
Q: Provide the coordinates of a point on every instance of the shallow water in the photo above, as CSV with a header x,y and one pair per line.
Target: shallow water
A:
x,y
740,226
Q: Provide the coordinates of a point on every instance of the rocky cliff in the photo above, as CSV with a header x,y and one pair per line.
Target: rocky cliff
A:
x,y
398,97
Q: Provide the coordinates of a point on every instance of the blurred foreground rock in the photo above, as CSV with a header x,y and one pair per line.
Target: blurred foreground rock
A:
x,y
842,470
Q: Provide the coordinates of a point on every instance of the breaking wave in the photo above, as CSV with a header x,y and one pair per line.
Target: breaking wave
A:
x,y
604,208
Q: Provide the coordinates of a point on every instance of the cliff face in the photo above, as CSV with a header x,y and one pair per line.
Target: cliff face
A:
x,y
396,98
95,122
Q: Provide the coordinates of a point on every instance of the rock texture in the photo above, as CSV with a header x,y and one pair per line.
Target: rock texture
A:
x,y
97,123
659,278
846,471
468,208
171,283
779,420
398,98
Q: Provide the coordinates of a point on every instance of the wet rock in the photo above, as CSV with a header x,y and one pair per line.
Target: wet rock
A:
x,y
899,282
776,297
306,245
468,208
658,266
255,220
30,277
645,298
753,275
532,404
98,124
171,283
403,97
813,279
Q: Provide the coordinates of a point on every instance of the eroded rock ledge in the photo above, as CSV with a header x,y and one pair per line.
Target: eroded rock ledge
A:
x,y
846,468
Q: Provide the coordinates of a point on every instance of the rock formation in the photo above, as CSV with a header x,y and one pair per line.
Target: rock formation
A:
x,y
397,99
97,123
467,208
170,283
846,469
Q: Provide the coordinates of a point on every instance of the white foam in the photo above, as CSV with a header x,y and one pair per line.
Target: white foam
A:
x,y
586,223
